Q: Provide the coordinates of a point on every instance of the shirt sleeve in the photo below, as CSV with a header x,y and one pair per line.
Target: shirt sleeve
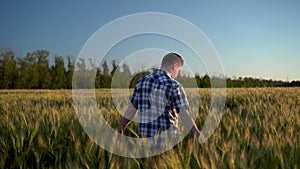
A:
x,y
134,98
180,100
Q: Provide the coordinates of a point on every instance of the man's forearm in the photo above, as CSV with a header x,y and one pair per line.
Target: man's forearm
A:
x,y
128,116
123,124
190,123
195,131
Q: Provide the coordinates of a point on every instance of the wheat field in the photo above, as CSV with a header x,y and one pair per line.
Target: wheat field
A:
x,y
259,129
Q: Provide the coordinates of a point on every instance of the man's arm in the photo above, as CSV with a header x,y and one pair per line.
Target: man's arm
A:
x,y
190,123
128,116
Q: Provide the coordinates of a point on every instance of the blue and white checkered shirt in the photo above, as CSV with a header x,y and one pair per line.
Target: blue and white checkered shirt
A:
x,y
156,97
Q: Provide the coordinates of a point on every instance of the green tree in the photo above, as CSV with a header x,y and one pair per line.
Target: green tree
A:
x,y
126,76
58,73
32,70
105,77
98,78
114,67
105,69
44,77
69,73
116,76
206,81
23,76
8,70
187,81
81,81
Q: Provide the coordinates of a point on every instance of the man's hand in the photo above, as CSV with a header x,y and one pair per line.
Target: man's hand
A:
x,y
203,139
119,129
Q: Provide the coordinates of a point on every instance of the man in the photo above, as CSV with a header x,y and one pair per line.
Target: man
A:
x,y
158,99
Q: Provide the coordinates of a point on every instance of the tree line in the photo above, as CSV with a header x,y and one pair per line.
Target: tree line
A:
x,y
34,71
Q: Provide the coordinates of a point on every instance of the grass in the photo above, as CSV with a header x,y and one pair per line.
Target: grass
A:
x,y
259,129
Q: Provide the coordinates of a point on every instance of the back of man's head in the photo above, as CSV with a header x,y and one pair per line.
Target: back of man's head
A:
x,y
170,59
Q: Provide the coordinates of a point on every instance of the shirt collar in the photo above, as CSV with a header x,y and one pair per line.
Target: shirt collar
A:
x,y
162,72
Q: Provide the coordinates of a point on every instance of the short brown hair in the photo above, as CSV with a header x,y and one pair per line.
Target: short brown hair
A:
x,y
171,58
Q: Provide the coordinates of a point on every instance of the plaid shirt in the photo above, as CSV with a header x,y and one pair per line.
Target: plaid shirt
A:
x,y
158,98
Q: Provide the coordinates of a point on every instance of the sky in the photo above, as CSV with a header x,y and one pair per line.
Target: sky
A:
x,y
253,38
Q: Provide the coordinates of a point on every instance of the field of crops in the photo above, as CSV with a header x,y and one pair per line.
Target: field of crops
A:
x,y
259,129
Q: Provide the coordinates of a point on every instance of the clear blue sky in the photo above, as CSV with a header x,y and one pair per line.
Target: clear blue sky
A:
x,y
256,38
